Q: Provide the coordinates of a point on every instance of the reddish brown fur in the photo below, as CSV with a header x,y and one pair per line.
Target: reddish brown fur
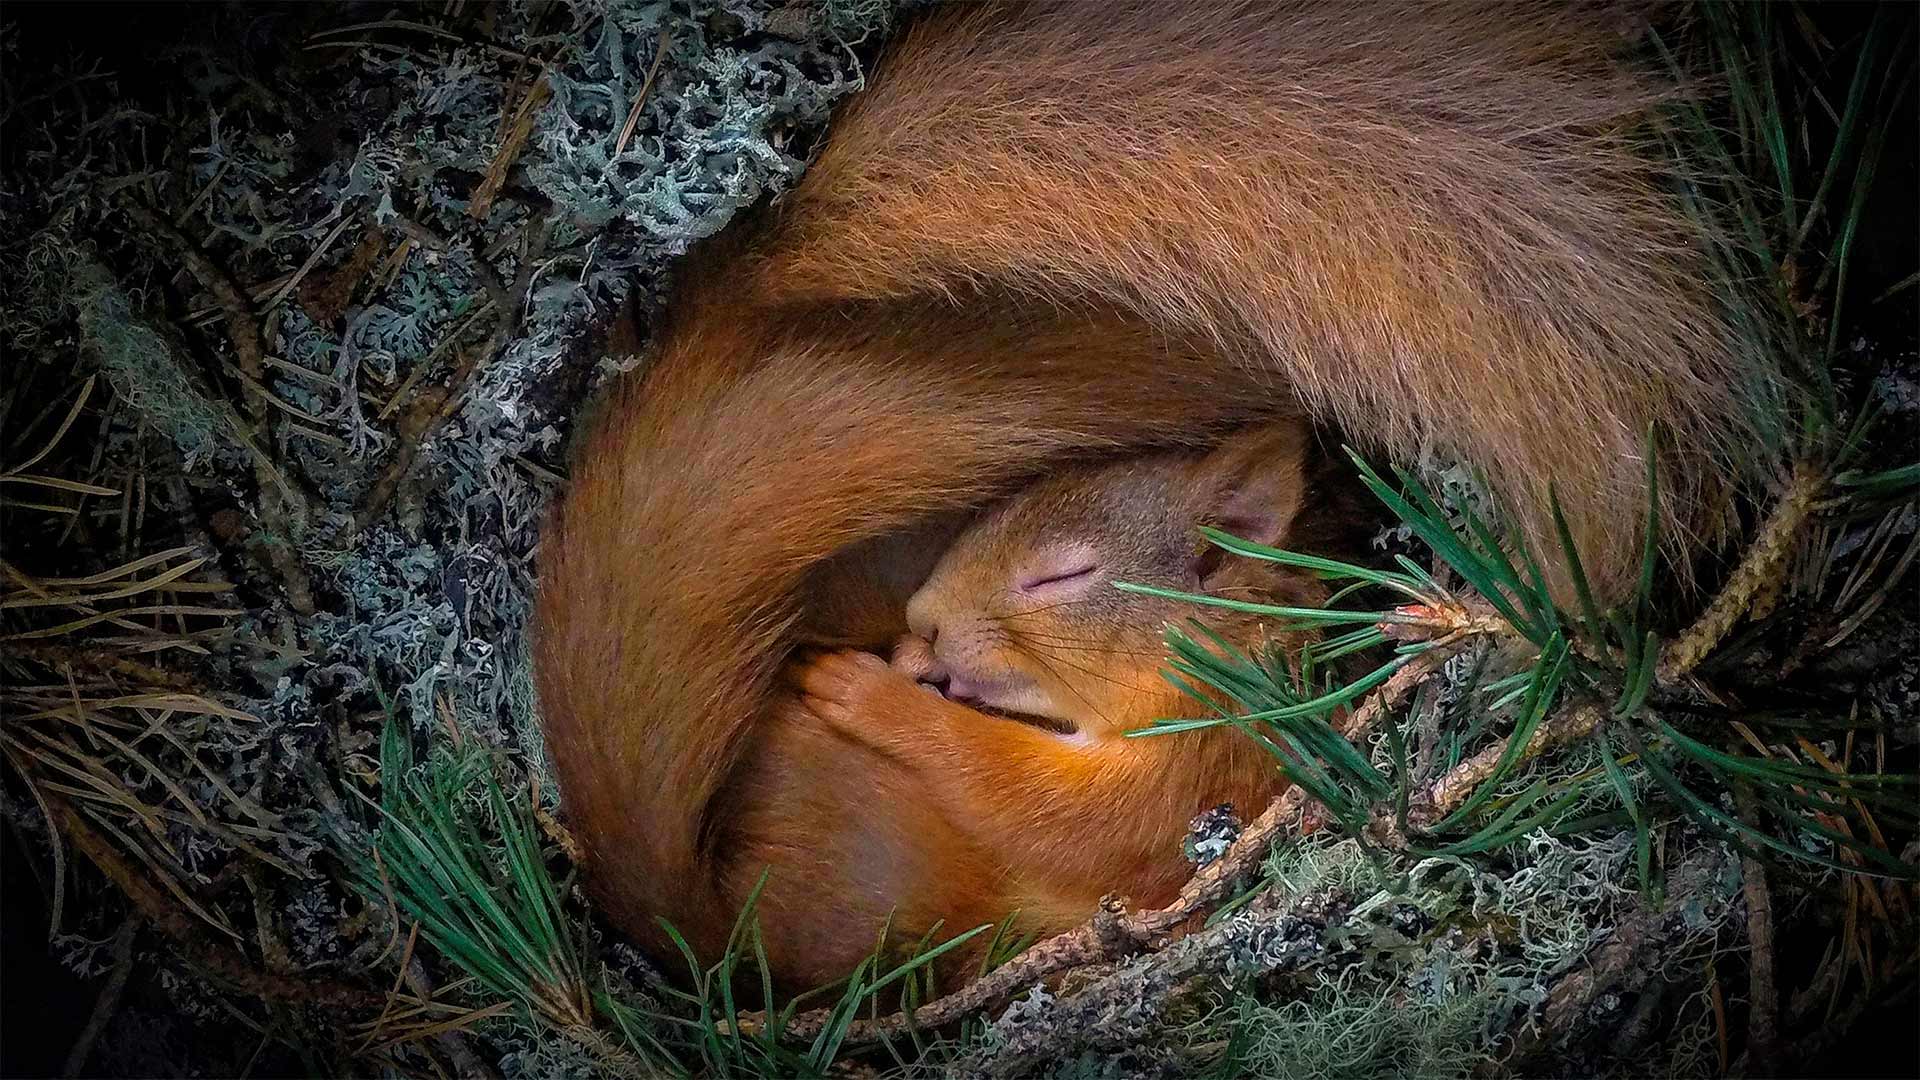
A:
x,y
1059,230
1048,820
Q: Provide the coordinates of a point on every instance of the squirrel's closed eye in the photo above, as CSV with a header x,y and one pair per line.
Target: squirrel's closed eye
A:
x,y
1063,567
1060,578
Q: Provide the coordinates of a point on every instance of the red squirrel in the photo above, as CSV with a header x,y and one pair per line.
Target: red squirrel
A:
x,y
1006,780
1054,231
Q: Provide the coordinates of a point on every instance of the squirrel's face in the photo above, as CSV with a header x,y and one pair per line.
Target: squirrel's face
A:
x,y
1021,616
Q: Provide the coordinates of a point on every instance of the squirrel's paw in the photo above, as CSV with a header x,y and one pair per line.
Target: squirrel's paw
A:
x,y
855,692
913,657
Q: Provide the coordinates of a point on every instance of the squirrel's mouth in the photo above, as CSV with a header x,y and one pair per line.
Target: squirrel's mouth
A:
x,y
1044,723
994,694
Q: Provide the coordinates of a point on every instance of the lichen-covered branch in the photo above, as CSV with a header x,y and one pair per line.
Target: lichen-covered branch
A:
x,y
283,506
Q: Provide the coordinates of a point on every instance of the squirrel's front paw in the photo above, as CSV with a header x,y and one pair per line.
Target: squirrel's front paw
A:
x,y
855,692
913,657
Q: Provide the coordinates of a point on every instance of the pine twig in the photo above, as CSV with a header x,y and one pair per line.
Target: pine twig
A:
x,y
1444,795
1757,576
1763,994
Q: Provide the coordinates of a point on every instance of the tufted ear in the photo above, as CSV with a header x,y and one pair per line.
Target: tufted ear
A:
x,y
1252,485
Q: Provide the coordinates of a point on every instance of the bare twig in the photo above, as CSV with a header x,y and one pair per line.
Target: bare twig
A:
x,y
510,148
89,659
1104,1012
216,960
646,87
273,948
561,836
1763,995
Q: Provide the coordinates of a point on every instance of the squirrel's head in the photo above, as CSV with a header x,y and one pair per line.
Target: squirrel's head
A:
x,y
1021,615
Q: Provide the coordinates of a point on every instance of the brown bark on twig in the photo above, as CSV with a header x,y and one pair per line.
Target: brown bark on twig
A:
x,y
1763,995
1107,1011
1446,794
1616,964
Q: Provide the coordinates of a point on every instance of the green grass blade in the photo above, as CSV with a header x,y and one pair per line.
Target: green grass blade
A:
x,y
1589,610
1623,790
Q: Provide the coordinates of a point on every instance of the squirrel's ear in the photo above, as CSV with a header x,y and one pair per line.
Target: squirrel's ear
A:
x,y
1252,486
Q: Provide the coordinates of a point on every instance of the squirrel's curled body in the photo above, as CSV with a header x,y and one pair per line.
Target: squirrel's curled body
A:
x,y
1056,230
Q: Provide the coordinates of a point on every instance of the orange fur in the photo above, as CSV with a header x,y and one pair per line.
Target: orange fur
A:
x,y
1059,230
1063,803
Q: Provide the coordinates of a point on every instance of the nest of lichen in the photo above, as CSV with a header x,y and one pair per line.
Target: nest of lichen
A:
x,y
298,308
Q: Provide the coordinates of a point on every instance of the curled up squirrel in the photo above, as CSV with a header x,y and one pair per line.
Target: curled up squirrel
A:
x,y
1013,786
1053,233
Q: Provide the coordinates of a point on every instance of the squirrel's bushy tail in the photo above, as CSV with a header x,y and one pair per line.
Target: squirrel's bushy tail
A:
x,y
1441,225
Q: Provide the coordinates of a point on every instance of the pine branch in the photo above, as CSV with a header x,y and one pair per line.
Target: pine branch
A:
x,y
1447,793
1756,578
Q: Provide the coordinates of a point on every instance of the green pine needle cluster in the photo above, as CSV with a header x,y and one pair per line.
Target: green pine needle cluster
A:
x,y
1818,816
1760,231
463,859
